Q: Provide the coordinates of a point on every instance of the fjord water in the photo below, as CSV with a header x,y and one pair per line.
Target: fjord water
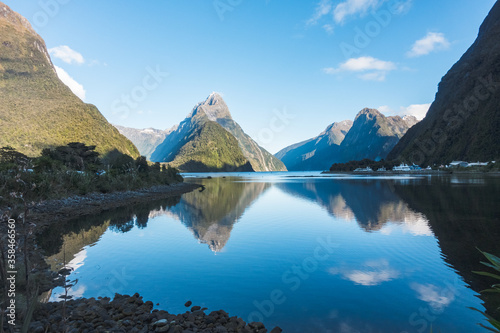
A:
x,y
309,254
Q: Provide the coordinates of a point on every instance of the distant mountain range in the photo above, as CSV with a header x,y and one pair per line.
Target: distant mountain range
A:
x,y
147,139
210,140
318,153
37,110
372,135
463,123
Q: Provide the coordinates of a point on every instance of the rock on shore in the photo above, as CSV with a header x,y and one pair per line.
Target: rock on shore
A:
x,y
131,314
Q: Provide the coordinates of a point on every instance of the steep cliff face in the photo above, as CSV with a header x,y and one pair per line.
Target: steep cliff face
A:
x,y
463,123
215,110
373,136
318,153
36,109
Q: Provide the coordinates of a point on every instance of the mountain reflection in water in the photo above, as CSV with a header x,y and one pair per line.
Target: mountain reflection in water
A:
x,y
462,213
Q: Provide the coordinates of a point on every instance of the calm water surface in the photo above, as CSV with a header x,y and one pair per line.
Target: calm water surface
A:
x,y
309,254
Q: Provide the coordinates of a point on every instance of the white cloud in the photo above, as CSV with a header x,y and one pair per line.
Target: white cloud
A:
x,y
418,227
323,8
373,273
328,28
417,110
354,7
75,87
433,41
437,299
376,69
339,13
74,293
385,109
66,54
362,64
413,223
366,278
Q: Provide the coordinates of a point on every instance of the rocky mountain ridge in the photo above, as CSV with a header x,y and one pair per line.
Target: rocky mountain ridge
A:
x,y
372,135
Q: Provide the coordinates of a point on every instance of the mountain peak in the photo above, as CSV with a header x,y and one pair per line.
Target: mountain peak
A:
x,y
213,110
342,126
16,27
213,99
368,113
410,120
28,79
14,18
213,107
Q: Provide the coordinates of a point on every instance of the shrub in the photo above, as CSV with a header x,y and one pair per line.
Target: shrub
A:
x,y
57,174
494,262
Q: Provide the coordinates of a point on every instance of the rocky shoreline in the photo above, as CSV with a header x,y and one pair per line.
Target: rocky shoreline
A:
x,y
131,314
124,313
66,209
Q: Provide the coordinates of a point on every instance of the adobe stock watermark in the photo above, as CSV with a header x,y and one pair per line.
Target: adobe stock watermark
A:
x,y
116,283
49,10
363,36
421,320
277,124
455,117
293,279
11,272
224,6
127,102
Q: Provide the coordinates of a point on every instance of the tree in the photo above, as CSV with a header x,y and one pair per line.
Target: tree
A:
x,y
76,156
142,164
12,156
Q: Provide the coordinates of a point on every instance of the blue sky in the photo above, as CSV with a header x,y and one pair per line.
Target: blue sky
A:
x,y
286,69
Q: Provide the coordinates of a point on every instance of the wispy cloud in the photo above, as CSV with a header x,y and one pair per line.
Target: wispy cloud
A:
x,y
402,7
375,76
371,69
432,42
353,8
75,87
339,13
323,8
328,28
66,54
